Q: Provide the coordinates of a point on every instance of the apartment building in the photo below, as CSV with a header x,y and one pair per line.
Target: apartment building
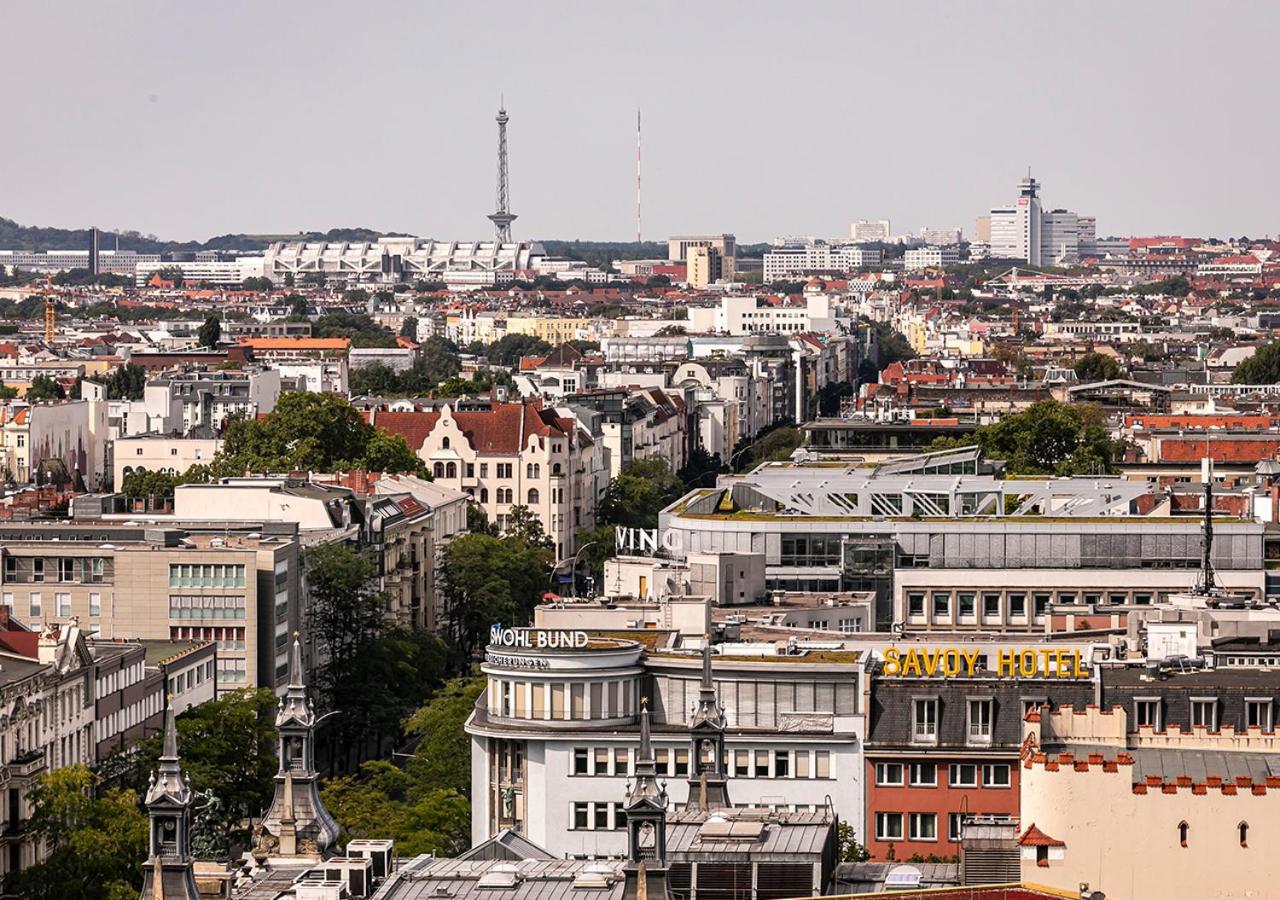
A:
x,y
236,586
317,364
505,455
795,258
53,441
160,453
198,403
936,257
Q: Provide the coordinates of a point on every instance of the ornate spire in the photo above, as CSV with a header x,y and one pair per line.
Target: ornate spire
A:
x,y
646,788
167,782
710,712
168,873
708,787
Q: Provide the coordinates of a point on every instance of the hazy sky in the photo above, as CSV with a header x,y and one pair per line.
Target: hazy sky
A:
x,y
188,119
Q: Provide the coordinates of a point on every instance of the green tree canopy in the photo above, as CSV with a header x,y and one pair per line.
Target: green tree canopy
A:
x,y
45,388
311,432
1048,438
409,328
1094,366
637,495
128,382
96,843
210,332
361,330
488,579
1261,368
508,350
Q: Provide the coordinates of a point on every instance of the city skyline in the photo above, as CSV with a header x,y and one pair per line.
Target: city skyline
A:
x,y
336,119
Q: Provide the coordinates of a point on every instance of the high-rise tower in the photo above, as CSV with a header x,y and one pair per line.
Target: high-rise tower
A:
x,y
503,217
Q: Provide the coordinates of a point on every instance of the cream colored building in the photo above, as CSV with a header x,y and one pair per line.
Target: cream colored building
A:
x,y
160,453
552,329
1181,815
238,588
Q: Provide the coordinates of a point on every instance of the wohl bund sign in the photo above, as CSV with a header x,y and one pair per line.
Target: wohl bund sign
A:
x,y
922,662
536,638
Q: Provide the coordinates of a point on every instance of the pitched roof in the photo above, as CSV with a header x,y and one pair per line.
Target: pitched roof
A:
x,y
504,428
1034,837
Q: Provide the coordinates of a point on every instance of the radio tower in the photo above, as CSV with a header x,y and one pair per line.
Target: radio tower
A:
x,y
503,218
637,175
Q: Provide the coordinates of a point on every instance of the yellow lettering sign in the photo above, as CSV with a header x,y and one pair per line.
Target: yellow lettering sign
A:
x,y
953,662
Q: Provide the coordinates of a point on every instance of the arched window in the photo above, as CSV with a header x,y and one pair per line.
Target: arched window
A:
x,y
484,495
1243,829
128,470
555,469
451,470
1183,831
444,443
532,470
533,496
438,469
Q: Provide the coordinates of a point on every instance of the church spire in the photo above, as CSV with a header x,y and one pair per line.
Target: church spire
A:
x,y
168,873
646,809
708,785
297,824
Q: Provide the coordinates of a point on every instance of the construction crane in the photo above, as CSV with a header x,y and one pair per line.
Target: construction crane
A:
x,y
50,320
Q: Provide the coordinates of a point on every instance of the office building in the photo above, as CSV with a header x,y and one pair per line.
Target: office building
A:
x,y
940,236
110,262
866,231
707,266
797,258
557,734
930,257
678,247
1027,232
237,586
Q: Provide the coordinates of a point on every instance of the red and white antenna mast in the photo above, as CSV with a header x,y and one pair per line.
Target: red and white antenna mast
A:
x,y
637,175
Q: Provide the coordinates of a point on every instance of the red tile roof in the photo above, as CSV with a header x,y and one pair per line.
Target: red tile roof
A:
x,y
1034,837
503,429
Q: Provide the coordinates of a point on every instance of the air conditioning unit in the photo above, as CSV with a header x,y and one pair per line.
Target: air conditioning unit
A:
x,y
321,890
379,852
356,872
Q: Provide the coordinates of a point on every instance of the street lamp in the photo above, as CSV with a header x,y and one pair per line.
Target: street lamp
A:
x,y
573,570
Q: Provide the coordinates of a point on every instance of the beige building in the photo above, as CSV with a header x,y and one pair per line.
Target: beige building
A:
x,y
511,454
1182,814
235,587
552,329
706,266
160,453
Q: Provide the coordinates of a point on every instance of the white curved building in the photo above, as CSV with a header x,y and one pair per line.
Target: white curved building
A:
x,y
396,257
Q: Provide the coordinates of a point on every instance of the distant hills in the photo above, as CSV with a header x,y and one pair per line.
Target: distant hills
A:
x,y
29,237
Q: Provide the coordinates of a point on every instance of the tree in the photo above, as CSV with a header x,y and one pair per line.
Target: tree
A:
x,y
423,806
95,843
508,350
171,274
409,328
774,444
311,432
361,330
159,486
1094,366
639,492
850,850
488,580
228,747
210,332
8,392
1261,368
670,331
45,388
128,382
256,283
1048,438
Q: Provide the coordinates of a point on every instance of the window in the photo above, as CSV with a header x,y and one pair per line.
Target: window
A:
x,y
963,775
1141,599
1184,831
925,720
1257,713
451,470
1147,712
967,601
37,569
62,603
601,761
889,774
1242,830
484,495
66,569
915,604
620,761
924,826
742,763
981,715
471,470
995,775
581,814
941,605
991,606
1042,603
762,764
533,496
1067,597
924,775
1117,599
504,470
955,824
821,764
1204,713
781,764
1018,606
438,470
1032,704
602,816
888,826
484,470
444,443
35,605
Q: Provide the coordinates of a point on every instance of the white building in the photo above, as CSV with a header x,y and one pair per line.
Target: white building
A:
x,y
940,236
554,737
225,273
395,257
746,315
803,257
930,257
866,231
1025,231
160,453
111,262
